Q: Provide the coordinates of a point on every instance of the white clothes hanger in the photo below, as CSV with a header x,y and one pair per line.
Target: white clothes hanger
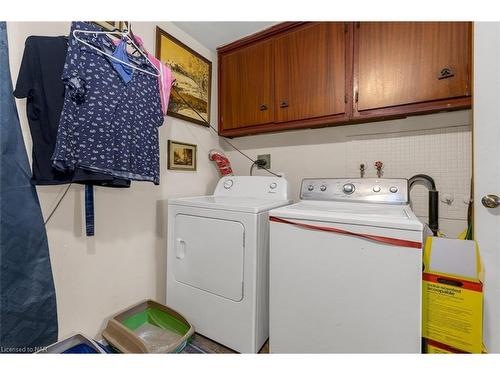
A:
x,y
123,34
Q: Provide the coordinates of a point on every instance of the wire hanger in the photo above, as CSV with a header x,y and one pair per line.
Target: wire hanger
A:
x,y
123,34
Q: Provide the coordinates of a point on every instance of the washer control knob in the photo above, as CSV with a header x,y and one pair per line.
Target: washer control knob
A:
x,y
393,189
348,188
376,189
228,184
273,185
310,187
322,187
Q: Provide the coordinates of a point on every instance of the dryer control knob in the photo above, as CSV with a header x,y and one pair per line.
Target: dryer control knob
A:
x,y
322,187
273,185
310,187
228,184
376,189
393,189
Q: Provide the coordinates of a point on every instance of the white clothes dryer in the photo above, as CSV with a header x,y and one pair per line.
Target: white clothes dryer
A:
x,y
218,259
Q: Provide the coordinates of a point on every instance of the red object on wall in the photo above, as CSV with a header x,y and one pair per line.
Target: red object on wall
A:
x,y
222,162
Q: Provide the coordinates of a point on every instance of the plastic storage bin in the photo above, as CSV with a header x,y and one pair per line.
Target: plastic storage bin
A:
x,y
148,327
77,344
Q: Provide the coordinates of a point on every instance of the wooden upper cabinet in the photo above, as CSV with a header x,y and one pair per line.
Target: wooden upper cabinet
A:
x,y
246,86
420,64
310,72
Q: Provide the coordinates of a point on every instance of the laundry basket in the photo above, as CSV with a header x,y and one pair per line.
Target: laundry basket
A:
x,y
148,327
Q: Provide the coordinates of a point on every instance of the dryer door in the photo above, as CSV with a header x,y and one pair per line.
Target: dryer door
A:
x,y
209,255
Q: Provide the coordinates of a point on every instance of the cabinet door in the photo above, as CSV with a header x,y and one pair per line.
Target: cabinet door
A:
x,y
246,85
401,63
310,72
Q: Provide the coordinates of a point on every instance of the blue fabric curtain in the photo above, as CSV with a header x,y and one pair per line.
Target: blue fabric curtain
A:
x,y
28,315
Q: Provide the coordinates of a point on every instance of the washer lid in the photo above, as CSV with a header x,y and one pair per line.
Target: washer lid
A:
x,y
240,204
370,214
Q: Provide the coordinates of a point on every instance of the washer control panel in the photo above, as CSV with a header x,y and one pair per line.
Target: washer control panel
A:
x,y
370,190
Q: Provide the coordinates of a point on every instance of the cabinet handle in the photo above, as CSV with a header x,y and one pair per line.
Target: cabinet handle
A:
x,y
446,73
263,107
284,104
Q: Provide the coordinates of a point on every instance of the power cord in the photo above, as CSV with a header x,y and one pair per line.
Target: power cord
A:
x,y
57,205
224,139
259,163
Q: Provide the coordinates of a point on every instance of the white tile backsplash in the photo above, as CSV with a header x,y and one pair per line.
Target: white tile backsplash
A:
x,y
443,153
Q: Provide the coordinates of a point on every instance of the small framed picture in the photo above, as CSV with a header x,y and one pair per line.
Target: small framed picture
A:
x,y
181,156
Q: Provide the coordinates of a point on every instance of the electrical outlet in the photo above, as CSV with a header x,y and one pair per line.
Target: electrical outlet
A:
x,y
267,159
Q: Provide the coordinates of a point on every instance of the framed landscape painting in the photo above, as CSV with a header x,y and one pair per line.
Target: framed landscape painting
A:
x,y
181,156
190,97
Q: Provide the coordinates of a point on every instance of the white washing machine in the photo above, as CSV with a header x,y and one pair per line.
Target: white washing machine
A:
x,y
345,269
218,259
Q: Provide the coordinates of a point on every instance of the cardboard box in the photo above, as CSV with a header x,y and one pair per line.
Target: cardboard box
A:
x,y
434,347
452,293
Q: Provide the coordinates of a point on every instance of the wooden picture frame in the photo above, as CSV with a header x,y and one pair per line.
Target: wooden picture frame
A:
x,y
111,25
193,74
182,156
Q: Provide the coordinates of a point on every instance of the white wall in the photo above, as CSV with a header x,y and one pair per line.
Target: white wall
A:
x,y
125,261
437,144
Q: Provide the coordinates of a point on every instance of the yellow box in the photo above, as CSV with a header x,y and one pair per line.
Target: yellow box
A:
x,y
434,347
452,294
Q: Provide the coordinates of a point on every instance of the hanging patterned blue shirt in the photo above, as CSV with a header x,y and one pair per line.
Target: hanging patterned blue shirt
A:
x,y
108,125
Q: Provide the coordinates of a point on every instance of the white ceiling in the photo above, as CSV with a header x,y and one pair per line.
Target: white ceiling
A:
x,y
216,34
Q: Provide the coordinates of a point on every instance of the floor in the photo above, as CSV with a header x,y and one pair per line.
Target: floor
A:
x,y
202,344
